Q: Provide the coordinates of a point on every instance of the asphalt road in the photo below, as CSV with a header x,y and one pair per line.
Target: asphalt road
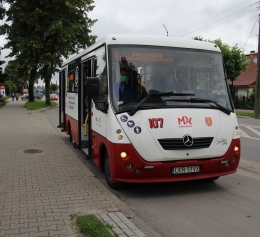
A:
x,y
229,206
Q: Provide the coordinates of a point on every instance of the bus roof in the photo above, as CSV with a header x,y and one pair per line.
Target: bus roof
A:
x,y
148,40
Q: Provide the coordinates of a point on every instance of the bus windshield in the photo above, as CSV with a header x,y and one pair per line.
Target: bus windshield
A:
x,y
170,75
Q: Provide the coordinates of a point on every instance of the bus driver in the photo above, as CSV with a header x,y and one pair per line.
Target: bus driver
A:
x,y
122,90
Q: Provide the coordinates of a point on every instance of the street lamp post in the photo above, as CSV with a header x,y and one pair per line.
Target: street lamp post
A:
x,y
257,91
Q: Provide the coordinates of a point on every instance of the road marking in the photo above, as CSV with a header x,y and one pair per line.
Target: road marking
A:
x,y
242,124
247,125
242,133
253,130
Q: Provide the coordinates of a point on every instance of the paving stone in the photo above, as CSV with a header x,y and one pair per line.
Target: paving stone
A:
x,y
39,234
112,223
5,227
33,224
29,229
9,232
131,226
59,222
122,225
47,227
105,217
23,235
118,231
139,233
23,225
60,232
129,232
8,222
114,217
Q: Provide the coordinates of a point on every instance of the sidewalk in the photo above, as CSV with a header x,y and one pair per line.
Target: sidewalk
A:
x,y
42,182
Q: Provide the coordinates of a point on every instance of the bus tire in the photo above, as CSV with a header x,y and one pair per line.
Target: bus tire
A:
x,y
111,184
75,145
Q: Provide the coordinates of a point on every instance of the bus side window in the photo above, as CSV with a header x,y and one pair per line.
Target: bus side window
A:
x,y
71,82
100,71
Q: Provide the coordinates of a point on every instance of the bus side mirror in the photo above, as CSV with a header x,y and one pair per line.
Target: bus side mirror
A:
x,y
92,84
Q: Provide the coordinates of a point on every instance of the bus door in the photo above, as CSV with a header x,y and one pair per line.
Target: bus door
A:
x,y
62,89
85,119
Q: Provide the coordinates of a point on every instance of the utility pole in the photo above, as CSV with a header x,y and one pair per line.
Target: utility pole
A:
x,y
257,88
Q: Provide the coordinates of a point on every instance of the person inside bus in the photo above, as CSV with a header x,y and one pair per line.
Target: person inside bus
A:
x,y
123,91
140,87
174,80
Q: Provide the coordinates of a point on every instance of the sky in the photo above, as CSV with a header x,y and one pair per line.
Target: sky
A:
x,y
233,21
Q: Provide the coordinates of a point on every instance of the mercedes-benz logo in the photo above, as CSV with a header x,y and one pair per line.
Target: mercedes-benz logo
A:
x,y
187,140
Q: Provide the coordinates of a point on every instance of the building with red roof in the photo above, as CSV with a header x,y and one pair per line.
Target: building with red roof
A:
x,y
246,81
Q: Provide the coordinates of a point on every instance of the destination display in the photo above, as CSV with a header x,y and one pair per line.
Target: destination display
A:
x,y
144,57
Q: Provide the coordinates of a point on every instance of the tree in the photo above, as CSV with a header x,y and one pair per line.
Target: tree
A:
x,y
41,33
234,59
2,11
54,87
9,87
12,70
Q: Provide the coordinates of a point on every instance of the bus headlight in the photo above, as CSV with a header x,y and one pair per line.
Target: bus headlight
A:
x,y
236,148
123,154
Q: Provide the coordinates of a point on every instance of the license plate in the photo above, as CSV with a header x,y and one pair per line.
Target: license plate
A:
x,y
185,170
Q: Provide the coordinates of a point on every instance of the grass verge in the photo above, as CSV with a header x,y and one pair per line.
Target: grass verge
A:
x,y
91,226
38,104
246,114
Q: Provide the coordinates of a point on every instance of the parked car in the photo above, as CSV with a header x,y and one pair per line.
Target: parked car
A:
x,y
40,94
26,96
53,96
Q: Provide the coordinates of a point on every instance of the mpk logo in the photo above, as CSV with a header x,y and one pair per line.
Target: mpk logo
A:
x,y
185,122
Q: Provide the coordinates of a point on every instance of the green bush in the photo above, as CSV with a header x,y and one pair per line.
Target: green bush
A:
x,y
2,102
244,103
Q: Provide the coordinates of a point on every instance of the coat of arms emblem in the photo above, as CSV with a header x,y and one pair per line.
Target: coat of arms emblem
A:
x,y
208,121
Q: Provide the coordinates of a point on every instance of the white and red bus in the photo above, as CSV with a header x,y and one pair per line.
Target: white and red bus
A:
x,y
150,109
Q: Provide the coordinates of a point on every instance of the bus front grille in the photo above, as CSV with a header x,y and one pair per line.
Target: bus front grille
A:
x,y
178,144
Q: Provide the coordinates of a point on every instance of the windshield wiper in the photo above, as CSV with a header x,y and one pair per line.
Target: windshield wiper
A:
x,y
221,107
155,93
198,100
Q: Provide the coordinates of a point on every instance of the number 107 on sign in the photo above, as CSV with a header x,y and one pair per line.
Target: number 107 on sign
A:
x,y
156,122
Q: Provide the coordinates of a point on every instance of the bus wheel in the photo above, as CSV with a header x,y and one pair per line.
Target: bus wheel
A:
x,y
111,184
75,145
